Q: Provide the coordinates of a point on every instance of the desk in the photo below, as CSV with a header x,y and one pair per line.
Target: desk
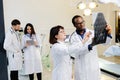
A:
x,y
113,50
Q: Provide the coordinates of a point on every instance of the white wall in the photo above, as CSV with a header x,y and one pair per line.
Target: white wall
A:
x,y
43,14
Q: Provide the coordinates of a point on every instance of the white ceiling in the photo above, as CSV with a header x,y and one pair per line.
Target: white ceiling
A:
x,y
110,1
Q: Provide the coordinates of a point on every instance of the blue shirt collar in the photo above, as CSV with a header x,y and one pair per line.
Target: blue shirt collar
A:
x,y
78,32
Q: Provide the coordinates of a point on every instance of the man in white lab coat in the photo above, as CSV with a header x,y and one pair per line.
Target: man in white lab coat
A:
x,y
13,48
86,63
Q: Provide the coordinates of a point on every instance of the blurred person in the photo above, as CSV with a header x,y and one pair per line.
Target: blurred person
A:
x,y
62,66
32,57
86,63
13,47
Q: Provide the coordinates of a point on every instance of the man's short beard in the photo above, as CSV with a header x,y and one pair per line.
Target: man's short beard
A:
x,y
16,29
80,30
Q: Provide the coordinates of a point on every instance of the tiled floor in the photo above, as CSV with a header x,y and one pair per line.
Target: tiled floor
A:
x,y
107,77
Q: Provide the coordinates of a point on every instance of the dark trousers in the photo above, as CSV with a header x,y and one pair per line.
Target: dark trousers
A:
x,y
14,75
39,76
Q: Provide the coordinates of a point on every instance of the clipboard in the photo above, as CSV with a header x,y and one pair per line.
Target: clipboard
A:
x,y
30,42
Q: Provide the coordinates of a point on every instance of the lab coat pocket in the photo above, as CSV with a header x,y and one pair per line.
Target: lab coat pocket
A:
x,y
15,61
18,56
18,59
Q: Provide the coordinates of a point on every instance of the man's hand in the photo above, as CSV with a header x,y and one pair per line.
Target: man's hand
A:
x,y
87,36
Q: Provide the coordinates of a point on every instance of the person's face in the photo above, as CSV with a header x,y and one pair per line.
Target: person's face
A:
x,y
79,23
28,29
16,27
61,35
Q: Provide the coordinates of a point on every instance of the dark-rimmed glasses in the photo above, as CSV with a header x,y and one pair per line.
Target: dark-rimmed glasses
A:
x,y
80,23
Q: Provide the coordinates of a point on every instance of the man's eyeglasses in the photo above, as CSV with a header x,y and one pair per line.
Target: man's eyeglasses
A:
x,y
80,23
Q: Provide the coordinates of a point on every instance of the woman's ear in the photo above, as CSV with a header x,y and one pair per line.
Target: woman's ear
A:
x,y
56,36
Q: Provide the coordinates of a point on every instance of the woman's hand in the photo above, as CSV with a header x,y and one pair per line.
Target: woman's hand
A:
x,y
109,29
27,44
35,43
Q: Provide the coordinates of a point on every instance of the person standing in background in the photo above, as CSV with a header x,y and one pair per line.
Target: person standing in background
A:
x,y
86,63
13,47
32,57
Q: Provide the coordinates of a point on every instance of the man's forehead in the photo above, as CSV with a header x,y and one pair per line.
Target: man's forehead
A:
x,y
78,19
16,25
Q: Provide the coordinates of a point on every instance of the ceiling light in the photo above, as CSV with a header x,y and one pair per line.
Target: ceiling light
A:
x,y
87,12
81,5
92,5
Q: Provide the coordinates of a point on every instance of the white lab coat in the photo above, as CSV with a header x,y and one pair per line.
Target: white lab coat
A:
x,y
86,63
13,48
32,56
62,68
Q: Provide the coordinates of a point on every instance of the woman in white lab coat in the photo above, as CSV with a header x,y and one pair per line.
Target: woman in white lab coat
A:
x,y
86,63
62,67
32,57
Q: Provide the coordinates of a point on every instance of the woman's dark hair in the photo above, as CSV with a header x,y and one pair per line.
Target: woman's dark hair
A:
x,y
73,19
32,29
53,32
15,22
